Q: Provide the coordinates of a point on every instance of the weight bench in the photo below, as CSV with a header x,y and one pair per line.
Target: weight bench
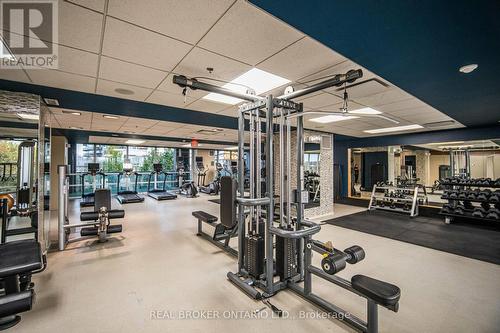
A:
x,y
377,293
18,261
221,236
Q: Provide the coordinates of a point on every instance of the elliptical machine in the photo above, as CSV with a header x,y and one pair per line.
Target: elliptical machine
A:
x,y
214,187
186,187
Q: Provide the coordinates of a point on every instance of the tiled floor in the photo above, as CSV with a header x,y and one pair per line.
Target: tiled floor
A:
x,y
158,264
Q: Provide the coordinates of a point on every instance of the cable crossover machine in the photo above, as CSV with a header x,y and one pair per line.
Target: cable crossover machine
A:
x,y
275,251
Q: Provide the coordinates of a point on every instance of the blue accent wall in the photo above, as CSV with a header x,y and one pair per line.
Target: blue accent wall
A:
x,y
416,45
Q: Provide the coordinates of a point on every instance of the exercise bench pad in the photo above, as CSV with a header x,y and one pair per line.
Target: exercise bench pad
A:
x,y
19,257
381,292
204,216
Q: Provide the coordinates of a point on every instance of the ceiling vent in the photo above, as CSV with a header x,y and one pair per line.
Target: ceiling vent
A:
x,y
51,101
440,123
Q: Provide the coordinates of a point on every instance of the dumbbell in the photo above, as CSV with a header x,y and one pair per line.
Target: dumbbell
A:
x,y
493,214
446,209
479,212
495,196
453,194
485,205
468,205
497,182
484,195
462,195
472,195
459,210
406,206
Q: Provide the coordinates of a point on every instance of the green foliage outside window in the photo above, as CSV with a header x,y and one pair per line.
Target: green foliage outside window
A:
x,y
165,157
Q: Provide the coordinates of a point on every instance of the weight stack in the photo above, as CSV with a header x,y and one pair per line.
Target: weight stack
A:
x,y
255,255
286,257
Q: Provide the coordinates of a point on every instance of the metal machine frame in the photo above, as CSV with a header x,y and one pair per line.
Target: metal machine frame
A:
x,y
258,229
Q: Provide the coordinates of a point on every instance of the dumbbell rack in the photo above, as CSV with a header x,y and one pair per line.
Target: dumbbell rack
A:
x,y
448,217
409,198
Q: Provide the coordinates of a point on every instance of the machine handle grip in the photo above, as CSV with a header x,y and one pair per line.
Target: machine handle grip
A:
x,y
116,214
89,216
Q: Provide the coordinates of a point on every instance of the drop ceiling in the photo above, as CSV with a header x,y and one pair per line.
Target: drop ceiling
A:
x,y
139,46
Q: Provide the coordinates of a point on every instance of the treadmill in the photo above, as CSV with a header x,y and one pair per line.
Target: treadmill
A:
x,y
93,169
159,193
128,196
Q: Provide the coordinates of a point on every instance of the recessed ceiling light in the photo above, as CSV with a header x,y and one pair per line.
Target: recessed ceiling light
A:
x,y
28,116
107,116
257,79
468,68
128,132
394,129
124,91
114,135
232,148
331,118
365,111
135,142
74,113
76,128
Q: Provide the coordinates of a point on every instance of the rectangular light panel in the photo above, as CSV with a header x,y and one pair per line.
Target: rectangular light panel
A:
x,y
257,79
394,129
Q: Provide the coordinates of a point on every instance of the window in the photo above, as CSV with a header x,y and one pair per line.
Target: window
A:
x,y
111,158
84,155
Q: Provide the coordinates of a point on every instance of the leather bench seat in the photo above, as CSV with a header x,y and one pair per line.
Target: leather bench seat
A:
x,y
20,257
381,292
204,216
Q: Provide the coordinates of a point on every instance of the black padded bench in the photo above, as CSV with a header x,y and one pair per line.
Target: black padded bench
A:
x,y
204,216
18,261
221,235
377,293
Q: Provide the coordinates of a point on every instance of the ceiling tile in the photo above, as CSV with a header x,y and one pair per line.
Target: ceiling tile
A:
x,y
53,78
364,89
196,63
320,100
84,117
206,106
107,88
120,71
248,34
140,122
137,45
92,4
397,107
300,59
99,122
14,75
169,99
79,27
77,62
186,20
389,96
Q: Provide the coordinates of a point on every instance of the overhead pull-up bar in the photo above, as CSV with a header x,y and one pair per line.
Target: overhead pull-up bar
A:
x,y
337,80
185,82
